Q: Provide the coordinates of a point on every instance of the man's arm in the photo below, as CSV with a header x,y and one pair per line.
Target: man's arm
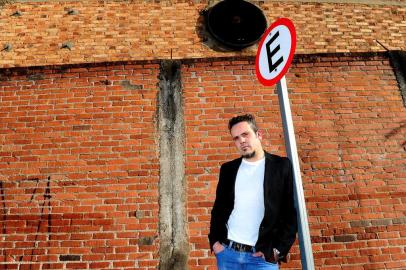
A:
x,y
287,223
216,215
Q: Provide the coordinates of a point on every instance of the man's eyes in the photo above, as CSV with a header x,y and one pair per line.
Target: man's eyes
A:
x,y
243,135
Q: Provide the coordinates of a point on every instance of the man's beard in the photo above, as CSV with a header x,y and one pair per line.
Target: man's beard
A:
x,y
250,155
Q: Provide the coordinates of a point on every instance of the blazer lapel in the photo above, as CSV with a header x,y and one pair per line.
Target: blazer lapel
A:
x,y
234,169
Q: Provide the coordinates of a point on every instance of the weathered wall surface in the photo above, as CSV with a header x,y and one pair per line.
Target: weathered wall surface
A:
x,y
104,31
79,167
82,161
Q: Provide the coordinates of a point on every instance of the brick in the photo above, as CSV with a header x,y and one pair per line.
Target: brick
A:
x,y
76,265
399,221
344,238
99,265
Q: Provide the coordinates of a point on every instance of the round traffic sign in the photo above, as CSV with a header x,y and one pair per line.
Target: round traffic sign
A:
x,y
275,51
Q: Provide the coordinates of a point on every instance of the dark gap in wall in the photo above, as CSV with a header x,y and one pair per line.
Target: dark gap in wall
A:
x,y
398,61
64,258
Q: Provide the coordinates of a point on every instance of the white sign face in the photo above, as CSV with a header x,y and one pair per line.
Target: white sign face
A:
x,y
275,52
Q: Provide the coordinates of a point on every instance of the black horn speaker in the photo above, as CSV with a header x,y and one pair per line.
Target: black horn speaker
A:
x,y
235,24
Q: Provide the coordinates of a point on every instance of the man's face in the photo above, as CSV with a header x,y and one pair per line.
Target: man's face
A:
x,y
246,140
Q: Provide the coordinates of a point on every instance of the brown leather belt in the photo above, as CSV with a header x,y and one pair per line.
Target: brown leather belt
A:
x,y
238,246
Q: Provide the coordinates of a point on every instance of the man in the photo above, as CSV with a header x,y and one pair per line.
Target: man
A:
x,y
253,220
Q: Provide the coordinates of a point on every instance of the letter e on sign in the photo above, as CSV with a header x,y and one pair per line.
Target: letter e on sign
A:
x,y
275,52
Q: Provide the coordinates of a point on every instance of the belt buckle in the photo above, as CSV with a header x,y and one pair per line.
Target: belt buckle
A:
x,y
239,247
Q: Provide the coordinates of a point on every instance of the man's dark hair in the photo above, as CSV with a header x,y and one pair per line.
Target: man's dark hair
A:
x,y
249,118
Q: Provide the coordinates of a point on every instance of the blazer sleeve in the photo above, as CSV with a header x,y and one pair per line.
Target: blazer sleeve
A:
x,y
217,224
287,223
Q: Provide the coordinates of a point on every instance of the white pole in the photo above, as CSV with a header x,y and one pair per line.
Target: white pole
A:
x,y
306,253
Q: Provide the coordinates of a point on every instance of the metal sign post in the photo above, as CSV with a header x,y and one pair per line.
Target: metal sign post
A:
x,y
291,150
275,53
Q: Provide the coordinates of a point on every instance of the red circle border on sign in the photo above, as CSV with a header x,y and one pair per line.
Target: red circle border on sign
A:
x,y
289,24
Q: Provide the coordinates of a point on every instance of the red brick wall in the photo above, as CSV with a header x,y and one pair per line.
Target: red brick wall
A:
x,y
350,129
105,31
92,130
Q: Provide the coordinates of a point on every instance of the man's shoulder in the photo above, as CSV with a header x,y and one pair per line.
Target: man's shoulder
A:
x,y
273,156
276,158
268,156
232,163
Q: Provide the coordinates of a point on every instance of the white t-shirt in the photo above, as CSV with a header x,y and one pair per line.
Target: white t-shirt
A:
x,y
245,219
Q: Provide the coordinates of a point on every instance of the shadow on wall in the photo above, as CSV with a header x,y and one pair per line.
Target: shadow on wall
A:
x,y
40,192
398,61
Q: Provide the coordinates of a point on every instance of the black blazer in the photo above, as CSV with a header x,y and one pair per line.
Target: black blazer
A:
x,y
279,225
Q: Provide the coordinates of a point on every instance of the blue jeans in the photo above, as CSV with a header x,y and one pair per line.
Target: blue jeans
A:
x,y
229,259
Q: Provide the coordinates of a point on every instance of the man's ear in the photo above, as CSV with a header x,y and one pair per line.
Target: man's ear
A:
x,y
259,134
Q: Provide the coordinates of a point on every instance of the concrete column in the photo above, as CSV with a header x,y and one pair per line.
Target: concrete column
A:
x,y
172,192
